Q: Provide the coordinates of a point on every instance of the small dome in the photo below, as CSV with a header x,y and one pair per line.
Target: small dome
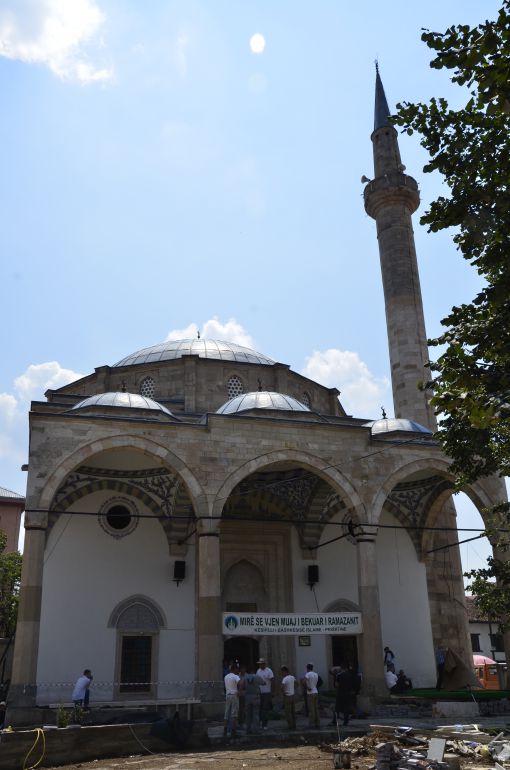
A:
x,y
394,425
125,400
204,348
262,400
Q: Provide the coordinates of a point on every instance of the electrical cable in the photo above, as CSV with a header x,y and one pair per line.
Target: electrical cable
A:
x,y
139,741
39,735
301,522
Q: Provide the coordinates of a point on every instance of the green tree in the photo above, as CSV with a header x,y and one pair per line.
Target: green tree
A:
x,y
470,147
470,380
10,579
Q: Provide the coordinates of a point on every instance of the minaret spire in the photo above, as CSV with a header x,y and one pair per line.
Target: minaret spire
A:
x,y
381,111
391,198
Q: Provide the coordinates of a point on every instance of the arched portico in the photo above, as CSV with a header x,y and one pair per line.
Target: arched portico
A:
x,y
77,479
419,495
259,506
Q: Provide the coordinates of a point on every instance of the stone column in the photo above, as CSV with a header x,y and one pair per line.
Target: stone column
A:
x,y
210,639
370,641
23,690
502,554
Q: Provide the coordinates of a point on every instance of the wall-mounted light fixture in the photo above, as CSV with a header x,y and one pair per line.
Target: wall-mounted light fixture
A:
x,y
313,575
179,571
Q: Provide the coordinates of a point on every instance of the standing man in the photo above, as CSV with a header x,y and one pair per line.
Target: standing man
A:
x,y
288,685
266,704
389,659
440,661
310,681
231,681
344,692
250,686
81,693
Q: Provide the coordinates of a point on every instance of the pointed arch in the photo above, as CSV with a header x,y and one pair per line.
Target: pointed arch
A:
x,y
144,445
137,613
342,605
335,478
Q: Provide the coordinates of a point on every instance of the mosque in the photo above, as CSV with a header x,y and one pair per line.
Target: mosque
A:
x,y
198,501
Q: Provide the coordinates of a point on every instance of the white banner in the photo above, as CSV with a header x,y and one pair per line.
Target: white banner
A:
x,y
262,623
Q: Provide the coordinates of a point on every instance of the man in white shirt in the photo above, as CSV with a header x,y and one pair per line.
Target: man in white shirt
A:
x,y
231,681
310,681
288,685
391,679
266,704
80,696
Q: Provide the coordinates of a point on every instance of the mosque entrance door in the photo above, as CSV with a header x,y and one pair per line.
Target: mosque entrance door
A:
x,y
241,649
345,650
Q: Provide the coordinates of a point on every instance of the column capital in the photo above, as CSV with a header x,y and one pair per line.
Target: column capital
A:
x,y
365,533
36,519
207,527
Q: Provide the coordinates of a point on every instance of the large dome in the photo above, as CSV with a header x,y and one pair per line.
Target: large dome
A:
x,y
205,348
125,400
262,400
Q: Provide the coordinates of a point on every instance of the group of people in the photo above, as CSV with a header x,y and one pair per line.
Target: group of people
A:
x,y
396,683
249,696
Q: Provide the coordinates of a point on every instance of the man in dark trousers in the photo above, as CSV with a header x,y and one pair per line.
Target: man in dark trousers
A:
x,y
344,691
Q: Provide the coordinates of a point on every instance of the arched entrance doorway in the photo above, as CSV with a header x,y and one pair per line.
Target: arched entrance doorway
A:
x,y
242,650
344,649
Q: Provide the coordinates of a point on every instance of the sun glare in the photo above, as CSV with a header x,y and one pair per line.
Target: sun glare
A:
x,y
257,43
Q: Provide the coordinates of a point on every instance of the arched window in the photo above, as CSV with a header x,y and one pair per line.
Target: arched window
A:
x,y
147,387
234,386
138,621
306,399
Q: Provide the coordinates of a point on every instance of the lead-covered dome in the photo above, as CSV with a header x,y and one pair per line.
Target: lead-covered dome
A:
x,y
396,425
125,400
204,348
264,399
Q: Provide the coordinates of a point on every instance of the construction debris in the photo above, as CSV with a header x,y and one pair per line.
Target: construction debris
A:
x,y
402,748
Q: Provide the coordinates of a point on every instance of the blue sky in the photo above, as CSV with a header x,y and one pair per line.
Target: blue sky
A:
x,y
158,176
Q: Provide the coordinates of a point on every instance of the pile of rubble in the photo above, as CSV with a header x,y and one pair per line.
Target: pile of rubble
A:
x,y
402,748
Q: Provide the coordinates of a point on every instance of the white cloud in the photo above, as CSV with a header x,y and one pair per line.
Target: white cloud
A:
x,y
54,33
187,333
230,331
37,378
362,394
34,381
8,406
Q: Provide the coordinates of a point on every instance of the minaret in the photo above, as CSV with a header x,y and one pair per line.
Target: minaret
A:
x,y
390,198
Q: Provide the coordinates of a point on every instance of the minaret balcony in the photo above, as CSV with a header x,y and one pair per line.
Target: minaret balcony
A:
x,y
393,188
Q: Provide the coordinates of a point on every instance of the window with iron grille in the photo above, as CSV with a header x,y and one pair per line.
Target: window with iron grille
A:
x,y
136,664
147,387
234,386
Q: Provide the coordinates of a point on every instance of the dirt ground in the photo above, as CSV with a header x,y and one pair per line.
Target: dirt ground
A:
x,y
305,757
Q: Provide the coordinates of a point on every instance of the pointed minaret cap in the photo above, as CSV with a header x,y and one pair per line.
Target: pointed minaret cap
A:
x,y
382,111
